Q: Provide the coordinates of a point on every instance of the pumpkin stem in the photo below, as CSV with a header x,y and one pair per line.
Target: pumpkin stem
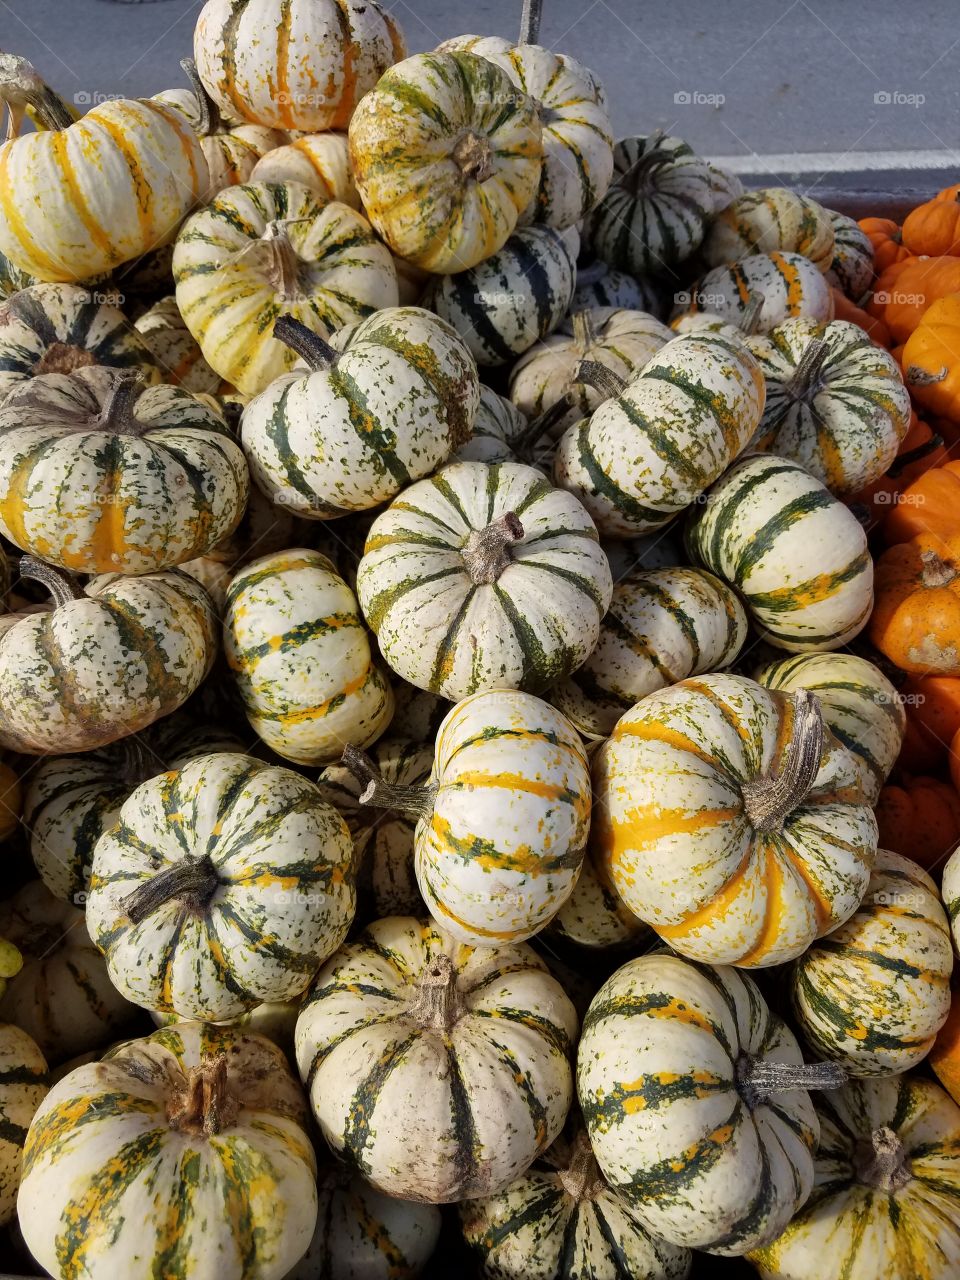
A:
x,y
769,800
650,158
904,460
486,552
936,571
582,1171
881,1161
116,412
751,315
473,154
308,345
22,87
914,376
209,111
803,382
584,331
191,882
540,426
205,1105
598,376
530,17
437,1003
135,767
381,794
61,586
758,1078
282,266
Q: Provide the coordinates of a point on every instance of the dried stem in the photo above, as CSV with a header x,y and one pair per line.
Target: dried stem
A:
x,y
283,265
209,121
936,571
381,794
61,586
802,384
582,1172
308,345
758,1078
769,800
914,376
881,1161
116,412
584,332
205,1104
191,882
22,87
598,376
486,552
530,21
473,154
437,1003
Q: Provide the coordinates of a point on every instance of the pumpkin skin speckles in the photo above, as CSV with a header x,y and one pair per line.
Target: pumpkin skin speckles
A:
x,y
789,284
768,220
23,1086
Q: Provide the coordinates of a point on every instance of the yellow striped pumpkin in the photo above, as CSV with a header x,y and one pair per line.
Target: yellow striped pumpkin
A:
x,y
23,1086
264,250
732,821
440,1071
852,267
788,285
446,154
218,1112
174,347
300,654
224,884
274,1019
769,220
320,161
885,1203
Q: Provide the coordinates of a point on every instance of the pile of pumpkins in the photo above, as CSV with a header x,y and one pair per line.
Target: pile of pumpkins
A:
x,y
479,684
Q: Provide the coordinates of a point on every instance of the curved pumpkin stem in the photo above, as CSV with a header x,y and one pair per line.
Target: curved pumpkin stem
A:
x,y
914,376
380,794
437,1003
61,586
209,111
486,551
751,315
191,882
597,375
936,571
530,17
881,1161
758,1078
584,331
769,800
116,413
582,1171
539,426
651,158
21,87
205,1105
904,460
802,384
283,265
308,345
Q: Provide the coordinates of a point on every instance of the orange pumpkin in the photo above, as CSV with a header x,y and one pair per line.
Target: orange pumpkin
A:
x,y
932,705
931,359
905,291
945,1054
845,309
11,801
886,237
916,615
934,227
920,450
928,506
919,818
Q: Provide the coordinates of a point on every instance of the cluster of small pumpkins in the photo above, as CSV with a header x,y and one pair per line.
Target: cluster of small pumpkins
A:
x,y
527,795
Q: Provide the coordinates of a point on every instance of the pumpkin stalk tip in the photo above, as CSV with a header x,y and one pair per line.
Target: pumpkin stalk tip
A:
x,y
21,86
769,800
584,332
307,344
473,155
486,552
881,1161
582,1172
437,1003
116,412
530,16
192,882
205,1105
758,1078
803,384
936,571
62,587
750,319
914,376
209,121
380,794
597,375
282,267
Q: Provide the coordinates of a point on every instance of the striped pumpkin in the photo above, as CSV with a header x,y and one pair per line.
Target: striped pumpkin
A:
x,y
861,708
655,214
561,1221
797,556
659,550
770,220
23,1086
873,995
725,187
446,155
886,1194
231,157
439,1070
182,1154
788,284
274,1019
598,285
653,449
484,576
269,249
320,161
300,655
835,402
950,891
595,917
59,328
225,883
729,861
62,997
78,199
497,428
98,475
851,270
662,626
174,348
294,64
694,1095
516,296
12,279
355,428
363,1235
105,662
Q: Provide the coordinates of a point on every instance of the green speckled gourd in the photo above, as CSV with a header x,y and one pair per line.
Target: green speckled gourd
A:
x,y
788,285
23,1086
769,220
851,269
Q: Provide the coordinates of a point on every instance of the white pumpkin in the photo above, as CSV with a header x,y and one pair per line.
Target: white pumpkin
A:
x,y
320,161
23,1086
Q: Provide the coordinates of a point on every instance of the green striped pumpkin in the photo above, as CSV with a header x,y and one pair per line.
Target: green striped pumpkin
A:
x,y
662,626
873,994
561,1221
680,1076
320,161
835,402
860,707
359,426
439,1070
886,1195
484,576
274,1019
105,662
788,284
651,451
225,883
595,917
851,270
59,328
655,213
950,891
62,997
797,556
23,1086
174,347
267,249
13,279
497,427
599,285
503,305
770,220
301,657
725,187
184,1155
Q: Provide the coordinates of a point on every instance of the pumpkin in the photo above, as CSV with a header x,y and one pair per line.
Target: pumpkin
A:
x,y
851,268
561,1219
694,1096
906,291
439,1070
219,1112
301,657
356,427
481,577
62,997
887,239
100,475
106,661
595,918
770,220
174,347
933,719
930,368
797,556
932,229
446,155
80,198
725,187
275,1019
788,284
23,1086
885,1191
917,614
655,213
919,817
498,428
945,1054
835,402
598,285
269,249
950,890
920,451
844,309
860,706
662,625
652,449
516,296
928,506
320,161
238,902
